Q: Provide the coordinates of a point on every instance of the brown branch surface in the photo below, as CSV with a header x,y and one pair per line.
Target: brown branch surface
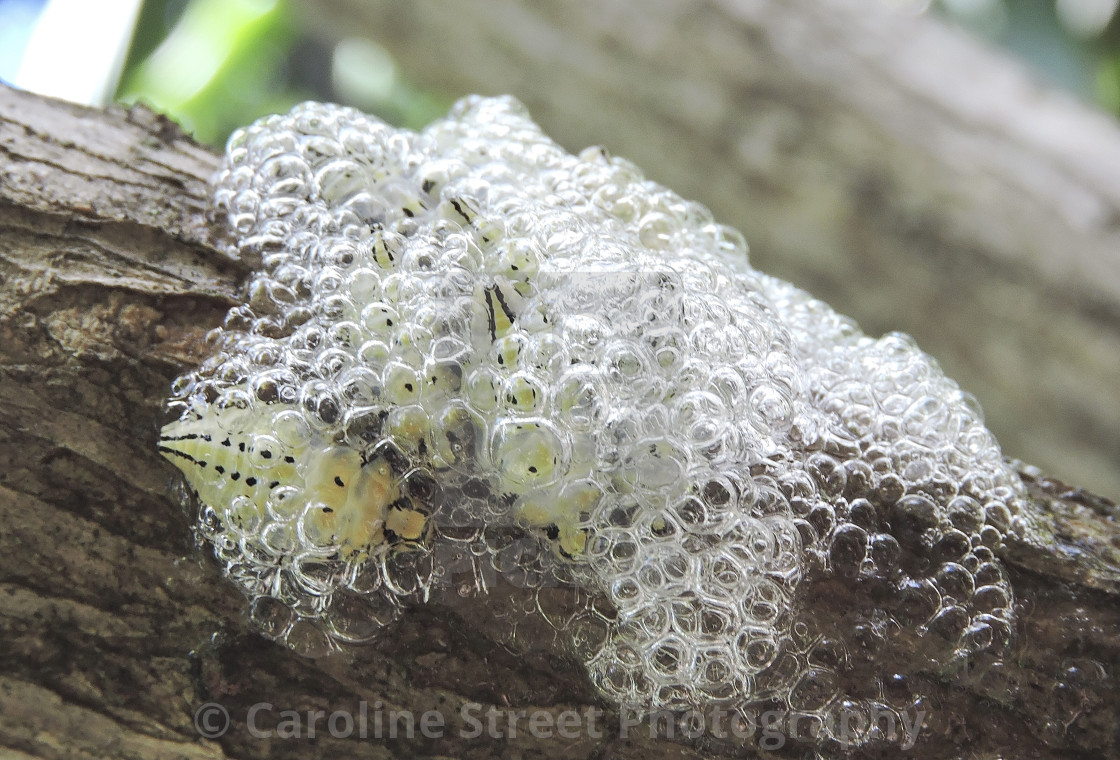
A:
x,y
115,631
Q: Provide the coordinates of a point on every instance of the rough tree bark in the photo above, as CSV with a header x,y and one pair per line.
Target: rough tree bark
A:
x,y
892,166
114,631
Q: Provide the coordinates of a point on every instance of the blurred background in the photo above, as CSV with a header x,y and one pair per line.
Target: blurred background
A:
x,y
947,168
214,65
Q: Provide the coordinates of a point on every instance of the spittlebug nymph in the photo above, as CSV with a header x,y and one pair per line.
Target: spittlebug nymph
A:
x,y
237,467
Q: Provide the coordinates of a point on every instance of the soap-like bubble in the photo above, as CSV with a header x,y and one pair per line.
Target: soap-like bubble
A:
x,y
468,338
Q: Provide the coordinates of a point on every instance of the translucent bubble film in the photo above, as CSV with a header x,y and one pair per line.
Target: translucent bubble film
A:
x,y
466,345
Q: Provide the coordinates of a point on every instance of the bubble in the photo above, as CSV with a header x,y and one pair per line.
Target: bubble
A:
x,y
402,384
271,616
815,689
528,453
848,549
524,393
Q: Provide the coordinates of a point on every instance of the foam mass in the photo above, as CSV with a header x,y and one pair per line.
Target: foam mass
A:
x,y
465,334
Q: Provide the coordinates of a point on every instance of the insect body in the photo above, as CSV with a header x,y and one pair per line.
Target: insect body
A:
x,y
240,470
227,457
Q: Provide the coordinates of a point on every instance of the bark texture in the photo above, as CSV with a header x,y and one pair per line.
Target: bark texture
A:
x,y
892,166
115,631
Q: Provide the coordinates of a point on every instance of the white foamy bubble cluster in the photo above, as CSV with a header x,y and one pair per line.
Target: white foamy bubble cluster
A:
x,y
466,334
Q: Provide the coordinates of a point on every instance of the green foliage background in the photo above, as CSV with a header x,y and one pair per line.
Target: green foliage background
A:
x,y
215,65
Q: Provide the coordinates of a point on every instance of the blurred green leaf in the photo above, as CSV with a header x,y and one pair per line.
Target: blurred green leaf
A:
x,y
223,64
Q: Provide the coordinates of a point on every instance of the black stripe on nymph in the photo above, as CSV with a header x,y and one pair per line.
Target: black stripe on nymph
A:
x,y
456,205
186,437
502,302
184,455
491,321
